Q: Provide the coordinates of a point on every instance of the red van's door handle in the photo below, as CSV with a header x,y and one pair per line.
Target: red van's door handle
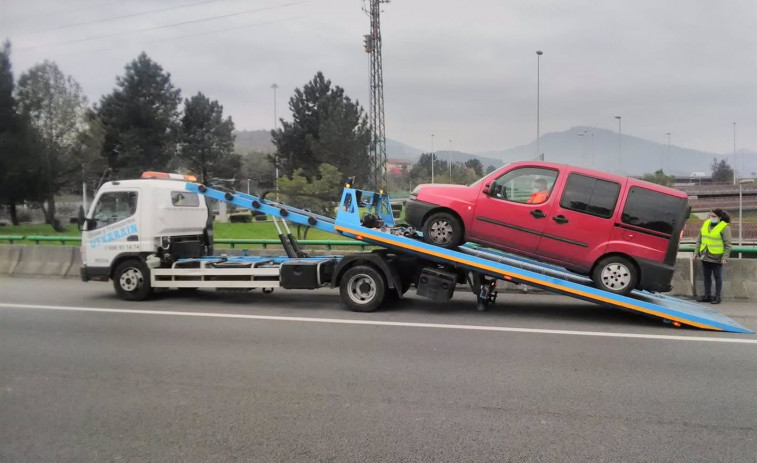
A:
x,y
560,219
538,214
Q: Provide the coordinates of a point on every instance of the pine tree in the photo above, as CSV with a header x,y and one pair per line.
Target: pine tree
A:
x,y
140,119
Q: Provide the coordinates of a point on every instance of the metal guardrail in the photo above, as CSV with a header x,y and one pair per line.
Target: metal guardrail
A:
x,y
265,243
12,238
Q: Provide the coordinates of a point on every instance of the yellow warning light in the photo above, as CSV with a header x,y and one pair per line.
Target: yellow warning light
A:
x,y
347,186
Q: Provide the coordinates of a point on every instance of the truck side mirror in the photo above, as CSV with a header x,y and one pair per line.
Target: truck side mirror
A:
x,y
80,218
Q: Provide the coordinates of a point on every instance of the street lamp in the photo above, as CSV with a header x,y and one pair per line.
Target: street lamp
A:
x,y
741,221
620,146
450,161
583,144
432,158
538,62
668,163
275,127
734,153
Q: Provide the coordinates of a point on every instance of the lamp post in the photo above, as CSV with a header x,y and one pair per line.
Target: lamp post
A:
x,y
450,161
583,144
741,221
275,127
668,163
734,153
620,146
432,158
538,63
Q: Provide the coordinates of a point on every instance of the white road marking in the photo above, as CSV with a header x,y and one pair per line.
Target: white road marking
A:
x,y
340,321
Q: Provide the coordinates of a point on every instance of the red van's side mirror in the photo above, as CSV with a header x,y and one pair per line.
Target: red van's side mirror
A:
x,y
485,190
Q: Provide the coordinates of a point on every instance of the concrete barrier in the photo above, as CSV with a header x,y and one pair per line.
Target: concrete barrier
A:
x,y
44,261
9,257
740,275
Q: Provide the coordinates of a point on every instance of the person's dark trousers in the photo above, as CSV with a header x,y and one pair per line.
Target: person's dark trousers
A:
x,y
712,269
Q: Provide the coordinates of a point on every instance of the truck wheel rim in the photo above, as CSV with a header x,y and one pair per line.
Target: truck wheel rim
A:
x,y
131,279
362,289
616,276
441,232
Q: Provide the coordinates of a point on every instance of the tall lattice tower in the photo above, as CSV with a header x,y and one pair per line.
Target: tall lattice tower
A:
x,y
372,43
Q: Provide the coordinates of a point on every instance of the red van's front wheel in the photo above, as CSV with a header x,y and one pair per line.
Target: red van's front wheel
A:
x,y
616,274
443,229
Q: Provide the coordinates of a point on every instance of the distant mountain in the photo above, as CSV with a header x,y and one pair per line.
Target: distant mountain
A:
x,y
597,148
397,150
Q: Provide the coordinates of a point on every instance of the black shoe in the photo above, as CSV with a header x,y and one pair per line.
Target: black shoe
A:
x,y
704,299
715,300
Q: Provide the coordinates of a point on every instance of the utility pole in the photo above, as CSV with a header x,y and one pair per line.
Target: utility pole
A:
x,y
734,154
432,158
450,161
620,147
538,63
372,45
667,165
275,127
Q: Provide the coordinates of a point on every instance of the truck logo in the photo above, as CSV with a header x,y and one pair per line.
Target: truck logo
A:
x,y
114,235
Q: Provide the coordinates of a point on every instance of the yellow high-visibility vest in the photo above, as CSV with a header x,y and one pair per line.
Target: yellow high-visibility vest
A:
x,y
712,240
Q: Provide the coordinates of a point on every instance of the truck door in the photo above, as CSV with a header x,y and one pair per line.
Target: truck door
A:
x,y
112,228
511,212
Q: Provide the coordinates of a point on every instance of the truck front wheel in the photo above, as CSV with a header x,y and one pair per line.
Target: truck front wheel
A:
x,y
131,280
362,288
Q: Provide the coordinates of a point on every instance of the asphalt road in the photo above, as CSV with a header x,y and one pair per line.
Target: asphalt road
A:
x,y
294,377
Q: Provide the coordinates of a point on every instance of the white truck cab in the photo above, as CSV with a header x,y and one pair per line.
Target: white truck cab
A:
x,y
136,224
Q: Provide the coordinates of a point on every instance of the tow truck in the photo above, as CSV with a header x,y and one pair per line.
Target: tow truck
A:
x,y
156,232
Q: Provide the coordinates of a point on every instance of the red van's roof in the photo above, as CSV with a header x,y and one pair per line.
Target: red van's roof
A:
x,y
608,176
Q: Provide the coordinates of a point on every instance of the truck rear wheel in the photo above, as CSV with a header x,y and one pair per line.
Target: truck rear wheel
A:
x,y
362,288
131,280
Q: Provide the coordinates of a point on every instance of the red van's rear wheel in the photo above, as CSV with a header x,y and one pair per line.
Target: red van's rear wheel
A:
x,y
443,229
616,274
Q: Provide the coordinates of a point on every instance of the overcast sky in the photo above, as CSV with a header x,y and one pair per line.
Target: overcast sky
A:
x,y
462,70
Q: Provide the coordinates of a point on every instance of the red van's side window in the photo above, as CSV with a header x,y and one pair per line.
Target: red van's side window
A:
x,y
590,195
652,210
531,185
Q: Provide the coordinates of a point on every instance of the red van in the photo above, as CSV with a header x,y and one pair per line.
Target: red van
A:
x,y
621,231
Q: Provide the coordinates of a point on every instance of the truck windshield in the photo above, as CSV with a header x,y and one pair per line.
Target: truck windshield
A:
x,y
114,206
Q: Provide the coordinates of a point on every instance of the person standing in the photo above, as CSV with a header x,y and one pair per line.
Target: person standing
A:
x,y
713,248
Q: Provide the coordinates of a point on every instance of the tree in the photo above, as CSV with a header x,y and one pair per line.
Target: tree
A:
x,y
319,194
207,140
55,107
721,171
476,165
660,178
88,150
490,169
14,142
140,119
326,127
257,167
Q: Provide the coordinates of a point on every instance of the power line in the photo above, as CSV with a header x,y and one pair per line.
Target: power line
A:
x,y
115,18
195,21
215,31
70,10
